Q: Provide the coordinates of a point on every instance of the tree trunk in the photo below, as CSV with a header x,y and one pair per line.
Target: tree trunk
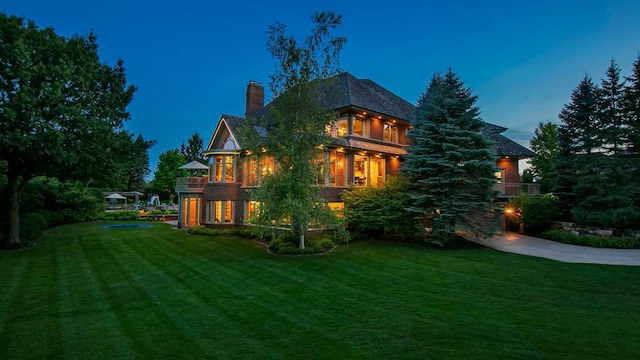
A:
x,y
301,237
14,189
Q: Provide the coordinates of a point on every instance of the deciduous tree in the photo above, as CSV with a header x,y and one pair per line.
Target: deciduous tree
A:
x,y
545,145
296,124
164,178
62,110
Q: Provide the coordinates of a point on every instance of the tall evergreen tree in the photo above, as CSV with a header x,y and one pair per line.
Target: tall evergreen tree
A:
x,y
611,115
450,162
545,145
632,107
580,119
194,149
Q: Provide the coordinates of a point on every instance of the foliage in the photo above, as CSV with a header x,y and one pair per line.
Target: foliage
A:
x,y
632,107
62,110
536,213
194,150
118,215
580,126
589,240
164,178
619,219
611,112
295,124
449,164
545,145
31,226
285,244
597,175
379,210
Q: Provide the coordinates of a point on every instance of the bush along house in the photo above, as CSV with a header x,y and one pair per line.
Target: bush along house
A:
x,y
369,140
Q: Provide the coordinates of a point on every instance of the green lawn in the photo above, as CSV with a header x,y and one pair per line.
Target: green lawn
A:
x,y
86,292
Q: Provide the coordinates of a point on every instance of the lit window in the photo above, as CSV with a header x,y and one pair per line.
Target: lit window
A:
x,y
360,127
390,133
223,167
339,127
219,212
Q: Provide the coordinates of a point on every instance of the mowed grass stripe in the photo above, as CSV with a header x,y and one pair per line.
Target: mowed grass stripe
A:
x,y
203,291
141,301
366,300
238,297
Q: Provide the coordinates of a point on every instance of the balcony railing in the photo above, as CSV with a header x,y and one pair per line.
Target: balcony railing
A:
x,y
189,182
513,189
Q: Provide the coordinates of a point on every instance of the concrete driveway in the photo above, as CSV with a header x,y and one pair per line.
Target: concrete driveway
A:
x,y
528,245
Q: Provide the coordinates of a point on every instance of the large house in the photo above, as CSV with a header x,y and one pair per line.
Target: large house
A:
x,y
370,138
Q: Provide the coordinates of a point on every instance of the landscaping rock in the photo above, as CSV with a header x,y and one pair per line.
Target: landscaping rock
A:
x,y
604,232
576,233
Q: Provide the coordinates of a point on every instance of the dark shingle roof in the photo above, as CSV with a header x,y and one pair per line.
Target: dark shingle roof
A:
x,y
367,95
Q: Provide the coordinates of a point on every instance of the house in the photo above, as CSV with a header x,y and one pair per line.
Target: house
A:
x,y
370,138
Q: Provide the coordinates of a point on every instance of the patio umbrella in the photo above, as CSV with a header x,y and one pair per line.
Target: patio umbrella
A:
x,y
194,165
116,196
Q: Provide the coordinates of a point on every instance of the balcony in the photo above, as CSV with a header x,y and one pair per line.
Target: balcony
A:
x,y
514,189
189,184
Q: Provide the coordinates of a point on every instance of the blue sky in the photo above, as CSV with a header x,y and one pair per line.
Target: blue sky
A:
x,y
191,59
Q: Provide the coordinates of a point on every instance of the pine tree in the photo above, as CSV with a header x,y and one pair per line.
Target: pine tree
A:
x,y
632,107
450,162
580,119
611,116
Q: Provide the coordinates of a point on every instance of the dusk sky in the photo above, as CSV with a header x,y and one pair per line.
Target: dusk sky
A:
x,y
191,60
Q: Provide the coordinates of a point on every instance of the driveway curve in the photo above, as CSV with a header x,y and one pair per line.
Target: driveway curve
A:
x,y
532,246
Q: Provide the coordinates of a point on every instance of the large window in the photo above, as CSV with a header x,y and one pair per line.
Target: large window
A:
x,y
339,127
368,170
360,127
250,166
336,169
190,211
391,133
256,168
251,209
219,212
223,168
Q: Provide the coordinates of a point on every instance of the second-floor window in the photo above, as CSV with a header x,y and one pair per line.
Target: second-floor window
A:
x,y
391,133
339,127
223,168
360,127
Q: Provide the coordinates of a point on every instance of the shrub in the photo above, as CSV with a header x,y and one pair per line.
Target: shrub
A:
x,y
53,218
287,243
31,227
593,241
585,217
536,213
202,230
118,215
620,219
379,210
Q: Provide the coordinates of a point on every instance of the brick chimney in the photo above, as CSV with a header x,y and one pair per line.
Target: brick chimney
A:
x,y
255,98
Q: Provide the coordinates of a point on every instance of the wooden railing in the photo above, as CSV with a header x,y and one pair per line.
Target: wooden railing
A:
x,y
189,182
512,189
